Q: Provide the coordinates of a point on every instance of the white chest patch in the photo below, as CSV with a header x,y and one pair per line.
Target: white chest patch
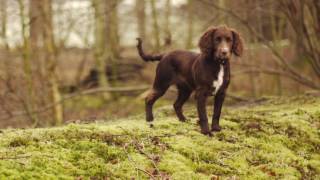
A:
x,y
218,82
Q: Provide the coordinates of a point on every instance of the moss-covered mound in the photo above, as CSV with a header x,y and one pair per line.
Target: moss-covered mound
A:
x,y
277,139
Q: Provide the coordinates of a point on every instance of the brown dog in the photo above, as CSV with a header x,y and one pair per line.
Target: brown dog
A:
x,y
206,73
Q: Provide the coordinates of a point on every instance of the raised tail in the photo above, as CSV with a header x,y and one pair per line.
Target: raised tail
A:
x,y
147,57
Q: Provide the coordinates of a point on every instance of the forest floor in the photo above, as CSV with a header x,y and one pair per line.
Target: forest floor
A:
x,y
278,138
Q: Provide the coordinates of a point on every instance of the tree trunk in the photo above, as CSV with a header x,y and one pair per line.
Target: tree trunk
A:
x,y
156,33
190,25
36,31
36,23
30,99
112,34
112,37
224,18
100,51
276,37
51,58
167,22
141,17
3,21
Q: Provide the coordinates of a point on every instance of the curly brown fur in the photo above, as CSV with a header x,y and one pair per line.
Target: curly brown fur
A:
x,y
237,46
206,73
205,43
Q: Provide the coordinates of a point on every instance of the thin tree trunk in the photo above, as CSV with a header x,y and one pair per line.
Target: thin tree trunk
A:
x,y
30,99
112,37
36,24
112,34
36,35
3,20
51,58
224,17
256,77
167,21
190,25
276,37
156,33
141,18
100,50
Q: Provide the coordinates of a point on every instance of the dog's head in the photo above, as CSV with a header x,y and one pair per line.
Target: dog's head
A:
x,y
220,43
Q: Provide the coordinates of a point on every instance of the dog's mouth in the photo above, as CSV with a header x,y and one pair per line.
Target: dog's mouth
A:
x,y
222,60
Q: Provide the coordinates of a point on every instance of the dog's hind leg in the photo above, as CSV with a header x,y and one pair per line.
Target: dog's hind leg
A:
x,y
183,96
152,97
164,78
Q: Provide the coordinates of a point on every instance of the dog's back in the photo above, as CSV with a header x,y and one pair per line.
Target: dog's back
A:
x,y
181,62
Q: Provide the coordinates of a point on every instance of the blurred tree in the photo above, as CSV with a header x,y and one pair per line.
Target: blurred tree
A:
x,y
112,34
50,51
277,24
141,18
36,23
101,53
253,77
36,32
156,33
224,18
112,38
190,15
3,21
304,17
167,22
30,104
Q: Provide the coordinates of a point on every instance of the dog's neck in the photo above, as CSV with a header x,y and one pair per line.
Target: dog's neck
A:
x,y
215,62
215,66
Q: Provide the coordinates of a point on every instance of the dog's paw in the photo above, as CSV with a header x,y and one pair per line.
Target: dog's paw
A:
x,y
216,128
183,120
150,124
207,133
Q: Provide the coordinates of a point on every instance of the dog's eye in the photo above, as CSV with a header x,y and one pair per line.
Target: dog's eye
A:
x,y
228,39
218,39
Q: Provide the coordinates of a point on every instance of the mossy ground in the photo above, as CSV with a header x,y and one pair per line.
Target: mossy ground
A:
x,y
277,139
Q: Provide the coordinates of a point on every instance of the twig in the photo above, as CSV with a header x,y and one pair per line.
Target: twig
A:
x,y
237,98
137,168
137,146
148,156
16,157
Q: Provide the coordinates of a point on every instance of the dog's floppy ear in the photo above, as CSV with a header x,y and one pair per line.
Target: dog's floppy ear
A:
x,y
237,46
206,40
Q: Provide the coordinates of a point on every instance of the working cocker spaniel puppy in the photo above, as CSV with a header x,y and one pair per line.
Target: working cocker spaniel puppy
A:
x,y
207,73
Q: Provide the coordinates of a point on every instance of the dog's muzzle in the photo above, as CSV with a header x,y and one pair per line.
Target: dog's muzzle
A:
x,y
222,61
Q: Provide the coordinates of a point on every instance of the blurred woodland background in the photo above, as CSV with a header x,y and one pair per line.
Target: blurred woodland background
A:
x,y
63,61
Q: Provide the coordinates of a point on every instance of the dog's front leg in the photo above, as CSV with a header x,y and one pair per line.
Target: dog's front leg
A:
x,y
201,95
218,101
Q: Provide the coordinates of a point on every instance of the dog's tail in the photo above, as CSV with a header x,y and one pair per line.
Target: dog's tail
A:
x,y
147,57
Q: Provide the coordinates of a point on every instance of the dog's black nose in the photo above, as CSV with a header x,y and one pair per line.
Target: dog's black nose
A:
x,y
224,53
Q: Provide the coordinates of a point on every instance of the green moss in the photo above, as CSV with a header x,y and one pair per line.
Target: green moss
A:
x,y
19,141
278,139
